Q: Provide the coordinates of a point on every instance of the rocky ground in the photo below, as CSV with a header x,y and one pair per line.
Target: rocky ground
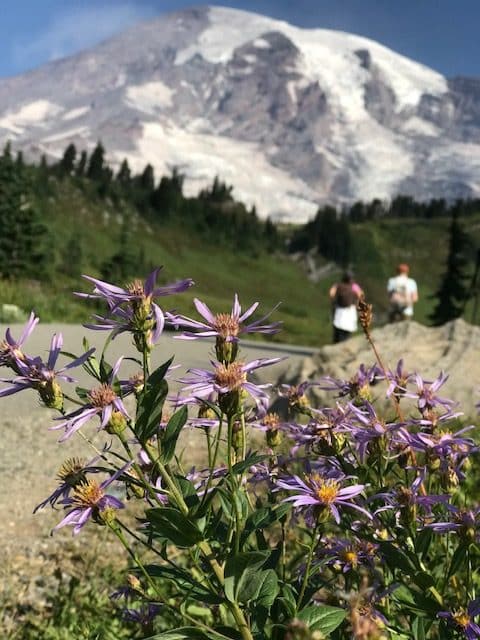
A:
x,y
453,348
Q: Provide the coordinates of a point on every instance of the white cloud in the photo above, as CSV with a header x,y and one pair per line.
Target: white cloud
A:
x,y
78,28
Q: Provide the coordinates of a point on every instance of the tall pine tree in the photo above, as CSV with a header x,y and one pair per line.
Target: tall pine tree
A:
x,y
452,293
24,250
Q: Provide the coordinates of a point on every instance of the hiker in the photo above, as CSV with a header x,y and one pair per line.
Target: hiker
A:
x,y
402,294
344,296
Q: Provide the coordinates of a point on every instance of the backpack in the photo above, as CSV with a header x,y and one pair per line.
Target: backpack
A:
x,y
345,296
400,298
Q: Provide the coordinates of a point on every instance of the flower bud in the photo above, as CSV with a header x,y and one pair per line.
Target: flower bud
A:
x,y
107,516
274,438
117,423
51,394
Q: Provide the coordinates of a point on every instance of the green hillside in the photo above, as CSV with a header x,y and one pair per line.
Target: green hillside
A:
x,y
90,223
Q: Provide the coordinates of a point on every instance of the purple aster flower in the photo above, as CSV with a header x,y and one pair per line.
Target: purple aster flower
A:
x,y
11,349
463,619
226,380
132,308
89,500
367,429
358,387
426,394
103,401
225,327
346,555
464,522
144,615
296,396
405,501
323,433
444,443
138,291
324,494
71,474
398,380
42,377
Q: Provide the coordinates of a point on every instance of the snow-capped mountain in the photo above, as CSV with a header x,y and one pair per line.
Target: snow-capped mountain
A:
x,y
291,117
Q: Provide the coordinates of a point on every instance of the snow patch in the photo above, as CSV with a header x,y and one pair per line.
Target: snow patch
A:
x,y
418,126
35,113
78,132
261,43
150,97
242,164
73,114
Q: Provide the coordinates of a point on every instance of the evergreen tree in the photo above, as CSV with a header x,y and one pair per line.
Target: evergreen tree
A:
x,y
96,165
147,180
73,256
452,293
82,165
167,198
124,174
123,264
67,163
24,250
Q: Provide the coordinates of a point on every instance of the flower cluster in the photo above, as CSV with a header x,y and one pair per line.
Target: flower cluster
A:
x,y
299,521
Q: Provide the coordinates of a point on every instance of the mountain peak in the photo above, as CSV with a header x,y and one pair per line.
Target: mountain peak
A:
x,y
290,117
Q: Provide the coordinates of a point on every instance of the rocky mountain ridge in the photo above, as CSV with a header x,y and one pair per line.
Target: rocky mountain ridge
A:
x,y
291,117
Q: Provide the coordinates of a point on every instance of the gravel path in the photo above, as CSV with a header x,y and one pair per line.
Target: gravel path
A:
x,y
30,454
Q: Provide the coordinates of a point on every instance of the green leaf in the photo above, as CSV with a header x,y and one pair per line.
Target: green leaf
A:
x,y
423,540
172,525
418,629
263,518
240,569
229,632
169,437
322,618
150,406
249,461
262,589
91,365
459,560
182,633
396,558
105,369
187,585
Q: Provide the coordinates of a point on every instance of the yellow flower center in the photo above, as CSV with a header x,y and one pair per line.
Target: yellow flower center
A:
x,y
461,618
271,421
226,325
325,490
135,288
70,469
350,556
230,375
88,494
102,396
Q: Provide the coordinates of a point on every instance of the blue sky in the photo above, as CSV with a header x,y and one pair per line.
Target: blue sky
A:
x,y
443,34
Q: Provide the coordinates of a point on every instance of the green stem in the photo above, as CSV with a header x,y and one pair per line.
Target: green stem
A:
x,y
138,470
214,461
208,554
307,567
